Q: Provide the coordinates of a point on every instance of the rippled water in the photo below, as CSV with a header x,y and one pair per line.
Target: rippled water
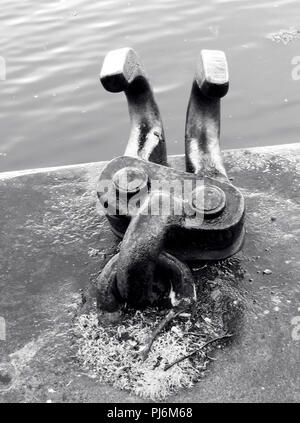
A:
x,y
53,110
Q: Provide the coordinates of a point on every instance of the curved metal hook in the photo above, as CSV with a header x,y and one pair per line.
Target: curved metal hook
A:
x,y
141,246
202,131
130,276
122,71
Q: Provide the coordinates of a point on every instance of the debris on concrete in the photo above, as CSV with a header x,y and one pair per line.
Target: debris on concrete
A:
x,y
114,353
284,36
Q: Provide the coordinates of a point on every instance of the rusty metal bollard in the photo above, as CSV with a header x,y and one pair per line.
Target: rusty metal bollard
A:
x,y
166,217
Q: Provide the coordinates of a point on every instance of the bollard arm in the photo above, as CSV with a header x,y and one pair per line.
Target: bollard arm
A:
x,y
202,131
122,71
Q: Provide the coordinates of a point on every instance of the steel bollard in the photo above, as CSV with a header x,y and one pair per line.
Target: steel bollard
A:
x,y
166,217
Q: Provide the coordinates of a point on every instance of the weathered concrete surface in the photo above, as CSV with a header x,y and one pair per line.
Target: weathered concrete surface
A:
x,y
53,243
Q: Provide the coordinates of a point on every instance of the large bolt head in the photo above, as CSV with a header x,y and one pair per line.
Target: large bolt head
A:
x,y
209,200
130,180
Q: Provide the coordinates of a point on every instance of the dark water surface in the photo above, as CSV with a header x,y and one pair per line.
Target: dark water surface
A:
x,y
53,110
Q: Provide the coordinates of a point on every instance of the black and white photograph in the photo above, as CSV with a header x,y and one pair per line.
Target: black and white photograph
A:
x,y
150,217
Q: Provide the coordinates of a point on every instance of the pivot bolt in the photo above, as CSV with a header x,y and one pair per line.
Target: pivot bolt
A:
x,y
209,199
130,180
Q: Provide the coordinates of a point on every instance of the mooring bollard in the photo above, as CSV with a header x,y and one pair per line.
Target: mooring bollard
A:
x,y
166,217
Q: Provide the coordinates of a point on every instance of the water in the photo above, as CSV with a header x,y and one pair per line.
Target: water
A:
x,y
53,110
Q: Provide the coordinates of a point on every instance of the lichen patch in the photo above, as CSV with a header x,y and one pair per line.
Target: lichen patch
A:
x,y
112,353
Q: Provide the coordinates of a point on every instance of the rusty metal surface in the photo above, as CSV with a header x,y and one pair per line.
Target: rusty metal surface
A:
x,y
194,239
53,243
